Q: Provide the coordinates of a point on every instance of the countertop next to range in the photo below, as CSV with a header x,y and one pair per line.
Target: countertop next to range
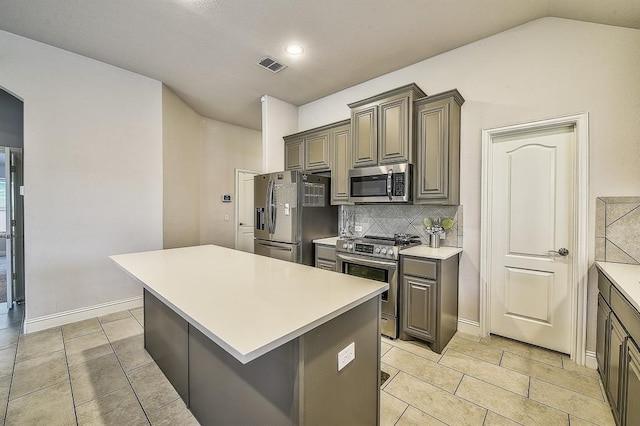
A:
x,y
626,278
247,304
425,251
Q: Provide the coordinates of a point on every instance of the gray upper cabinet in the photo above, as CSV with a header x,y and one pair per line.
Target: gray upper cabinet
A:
x,y
365,135
382,127
310,150
341,163
437,165
294,153
316,155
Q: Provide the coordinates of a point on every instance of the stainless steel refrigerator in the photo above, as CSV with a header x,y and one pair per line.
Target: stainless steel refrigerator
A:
x,y
292,208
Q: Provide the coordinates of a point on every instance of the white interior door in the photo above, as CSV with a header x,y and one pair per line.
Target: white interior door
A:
x,y
531,217
244,218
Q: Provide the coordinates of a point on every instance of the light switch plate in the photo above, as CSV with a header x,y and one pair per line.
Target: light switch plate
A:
x,y
346,355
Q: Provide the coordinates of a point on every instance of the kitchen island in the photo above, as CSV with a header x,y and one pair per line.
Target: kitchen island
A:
x,y
247,339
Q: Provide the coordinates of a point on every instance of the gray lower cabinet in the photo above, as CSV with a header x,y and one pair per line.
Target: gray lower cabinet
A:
x,y
437,165
617,341
420,307
325,257
601,336
429,300
632,409
618,334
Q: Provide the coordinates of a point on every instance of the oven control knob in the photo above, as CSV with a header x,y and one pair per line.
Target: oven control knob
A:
x,y
350,246
383,251
345,245
390,253
377,250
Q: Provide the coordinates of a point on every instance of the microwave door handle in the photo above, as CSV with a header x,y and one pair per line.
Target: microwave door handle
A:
x,y
389,182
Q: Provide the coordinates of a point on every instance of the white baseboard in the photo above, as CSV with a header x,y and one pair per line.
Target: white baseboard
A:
x,y
67,317
469,327
590,360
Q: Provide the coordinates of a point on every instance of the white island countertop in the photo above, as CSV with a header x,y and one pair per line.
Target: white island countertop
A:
x,y
247,304
626,278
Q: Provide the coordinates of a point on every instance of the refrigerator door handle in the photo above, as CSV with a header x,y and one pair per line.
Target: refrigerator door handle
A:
x,y
272,208
260,218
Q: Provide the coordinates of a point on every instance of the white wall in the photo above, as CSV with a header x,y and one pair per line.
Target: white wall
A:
x,y
182,137
546,68
92,173
225,148
279,119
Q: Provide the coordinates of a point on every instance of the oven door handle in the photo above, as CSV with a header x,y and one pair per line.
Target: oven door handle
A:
x,y
368,262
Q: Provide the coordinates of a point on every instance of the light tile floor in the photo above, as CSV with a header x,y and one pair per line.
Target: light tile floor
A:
x,y
489,381
93,372
96,372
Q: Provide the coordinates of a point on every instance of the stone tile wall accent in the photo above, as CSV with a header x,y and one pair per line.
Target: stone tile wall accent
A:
x,y
618,229
389,219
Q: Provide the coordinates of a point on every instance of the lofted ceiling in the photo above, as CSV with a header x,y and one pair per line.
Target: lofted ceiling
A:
x,y
206,50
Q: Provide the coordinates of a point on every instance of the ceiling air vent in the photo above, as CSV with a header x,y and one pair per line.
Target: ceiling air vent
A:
x,y
271,64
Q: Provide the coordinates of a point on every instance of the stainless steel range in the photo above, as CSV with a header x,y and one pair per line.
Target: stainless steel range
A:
x,y
377,258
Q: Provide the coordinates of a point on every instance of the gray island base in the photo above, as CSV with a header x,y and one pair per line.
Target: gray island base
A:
x,y
294,384
251,340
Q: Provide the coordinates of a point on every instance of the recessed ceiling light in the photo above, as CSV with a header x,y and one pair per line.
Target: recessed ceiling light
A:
x,y
294,49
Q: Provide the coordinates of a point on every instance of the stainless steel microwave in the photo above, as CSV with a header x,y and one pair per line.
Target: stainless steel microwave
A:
x,y
381,184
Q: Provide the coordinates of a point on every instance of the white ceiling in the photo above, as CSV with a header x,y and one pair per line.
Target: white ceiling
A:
x,y
206,50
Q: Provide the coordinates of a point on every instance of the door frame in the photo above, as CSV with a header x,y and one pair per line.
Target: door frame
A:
x,y
236,209
580,267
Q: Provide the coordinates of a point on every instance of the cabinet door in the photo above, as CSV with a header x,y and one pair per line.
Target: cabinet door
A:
x,y
616,351
394,139
317,152
432,174
632,405
419,307
602,337
294,154
364,123
341,165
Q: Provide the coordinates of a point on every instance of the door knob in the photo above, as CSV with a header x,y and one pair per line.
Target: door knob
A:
x,y
241,223
562,251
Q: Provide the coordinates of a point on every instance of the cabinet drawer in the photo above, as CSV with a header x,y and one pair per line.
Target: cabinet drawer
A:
x,y
629,317
604,285
327,265
325,252
419,268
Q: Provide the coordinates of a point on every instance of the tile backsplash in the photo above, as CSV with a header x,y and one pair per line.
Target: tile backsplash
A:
x,y
389,219
618,229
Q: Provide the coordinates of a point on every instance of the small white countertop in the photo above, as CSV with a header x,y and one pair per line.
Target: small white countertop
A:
x,y
440,253
626,278
247,304
330,241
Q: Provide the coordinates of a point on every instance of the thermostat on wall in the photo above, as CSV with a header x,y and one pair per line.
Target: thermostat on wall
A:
x,y
226,198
